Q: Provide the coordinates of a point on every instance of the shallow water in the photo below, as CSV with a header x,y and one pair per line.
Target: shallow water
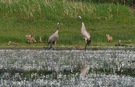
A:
x,y
38,67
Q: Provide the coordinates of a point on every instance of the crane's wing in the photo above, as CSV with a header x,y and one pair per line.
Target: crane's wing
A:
x,y
85,34
53,38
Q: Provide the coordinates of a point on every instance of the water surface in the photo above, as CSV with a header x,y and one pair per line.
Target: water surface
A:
x,y
39,67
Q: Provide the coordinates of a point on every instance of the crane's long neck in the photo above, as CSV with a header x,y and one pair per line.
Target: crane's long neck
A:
x,y
58,27
57,31
80,18
83,26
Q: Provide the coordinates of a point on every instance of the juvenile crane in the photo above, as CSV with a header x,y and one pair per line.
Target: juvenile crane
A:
x,y
85,34
54,37
30,38
109,38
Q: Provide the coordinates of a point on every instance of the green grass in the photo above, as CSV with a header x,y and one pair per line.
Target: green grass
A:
x,y
39,18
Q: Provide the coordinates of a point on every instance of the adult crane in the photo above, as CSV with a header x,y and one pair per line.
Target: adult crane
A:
x,y
54,37
85,34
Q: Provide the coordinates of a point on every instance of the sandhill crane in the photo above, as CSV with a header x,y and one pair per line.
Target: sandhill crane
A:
x,y
85,34
54,37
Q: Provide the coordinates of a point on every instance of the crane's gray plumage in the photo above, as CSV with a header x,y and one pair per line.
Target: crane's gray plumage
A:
x,y
54,37
85,34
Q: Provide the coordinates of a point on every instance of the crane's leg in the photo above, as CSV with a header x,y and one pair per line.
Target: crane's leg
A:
x,y
55,44
51,46
85,46
88,42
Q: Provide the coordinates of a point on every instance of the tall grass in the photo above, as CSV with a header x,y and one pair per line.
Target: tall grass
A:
x,y
32,9
39,17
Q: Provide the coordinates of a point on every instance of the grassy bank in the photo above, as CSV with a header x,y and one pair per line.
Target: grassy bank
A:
x,y
39,18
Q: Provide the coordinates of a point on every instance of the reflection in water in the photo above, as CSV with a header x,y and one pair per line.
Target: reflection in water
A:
x,y
84,71
32,68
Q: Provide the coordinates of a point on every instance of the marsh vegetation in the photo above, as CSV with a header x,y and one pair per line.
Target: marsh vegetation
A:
x,y
39,17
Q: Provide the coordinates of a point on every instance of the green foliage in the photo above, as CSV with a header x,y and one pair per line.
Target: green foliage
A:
x,y
39,18
113,1
123,2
